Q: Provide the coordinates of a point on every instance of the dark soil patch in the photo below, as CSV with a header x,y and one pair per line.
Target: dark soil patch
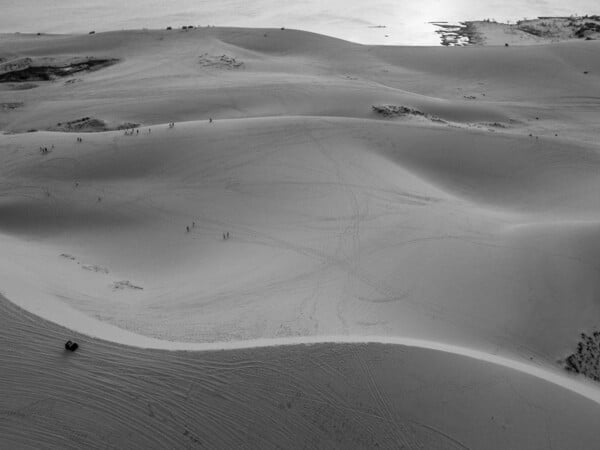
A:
x,y
29,71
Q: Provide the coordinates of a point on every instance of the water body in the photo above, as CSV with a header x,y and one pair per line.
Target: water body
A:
x,y
388,22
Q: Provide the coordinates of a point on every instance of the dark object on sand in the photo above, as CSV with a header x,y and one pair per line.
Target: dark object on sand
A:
x,y
92,32
169,28
72,346
506,44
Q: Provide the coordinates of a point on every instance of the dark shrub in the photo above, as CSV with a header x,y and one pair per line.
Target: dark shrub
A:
x,y
71,346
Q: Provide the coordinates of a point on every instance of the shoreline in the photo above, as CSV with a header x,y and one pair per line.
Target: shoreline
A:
x,y
455,35
543,29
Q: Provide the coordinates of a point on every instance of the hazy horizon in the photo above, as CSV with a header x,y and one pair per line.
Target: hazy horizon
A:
x,y
406,23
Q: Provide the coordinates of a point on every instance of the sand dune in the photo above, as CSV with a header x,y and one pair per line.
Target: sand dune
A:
x,y
350,205
471,224
318,396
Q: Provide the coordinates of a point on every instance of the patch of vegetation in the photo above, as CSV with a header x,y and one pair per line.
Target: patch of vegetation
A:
x,y
496,125
561,27
587,28
394,110
531,30
85,124
125,284
72,81
23,86
10,105
220,62
27,69
399,111
586,360
128,126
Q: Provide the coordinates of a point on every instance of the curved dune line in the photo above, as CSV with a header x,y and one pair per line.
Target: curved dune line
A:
x,y
61,314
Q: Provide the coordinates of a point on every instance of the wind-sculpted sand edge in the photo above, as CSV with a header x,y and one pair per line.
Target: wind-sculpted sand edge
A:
x,y
80,323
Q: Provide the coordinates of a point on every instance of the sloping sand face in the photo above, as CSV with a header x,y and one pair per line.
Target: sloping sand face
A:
x,y
318,396
300,213
337,226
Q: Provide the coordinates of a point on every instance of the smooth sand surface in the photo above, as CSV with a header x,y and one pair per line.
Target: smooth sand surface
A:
x,y
475,225
318,396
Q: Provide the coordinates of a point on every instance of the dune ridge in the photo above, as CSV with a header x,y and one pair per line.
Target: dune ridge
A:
x,y
93,328
321,395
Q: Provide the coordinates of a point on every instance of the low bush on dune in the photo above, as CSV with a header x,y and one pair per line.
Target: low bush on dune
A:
x,y
402,111
128,126
587,28
586,360
82,125
394,110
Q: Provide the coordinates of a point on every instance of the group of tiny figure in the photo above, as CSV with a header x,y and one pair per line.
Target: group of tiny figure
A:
x,y
130,132
172,124
44,150
79,139
226,235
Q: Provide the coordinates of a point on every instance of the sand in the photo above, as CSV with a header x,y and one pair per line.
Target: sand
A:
x,y
319,396
459,233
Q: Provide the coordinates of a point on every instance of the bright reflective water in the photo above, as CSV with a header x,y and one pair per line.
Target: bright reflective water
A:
x,y
405,21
